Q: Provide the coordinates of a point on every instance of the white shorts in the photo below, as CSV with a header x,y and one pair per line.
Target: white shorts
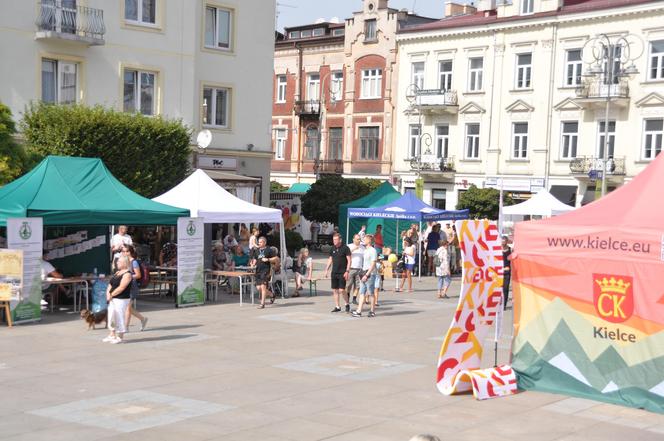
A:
x,y
116,314
431,253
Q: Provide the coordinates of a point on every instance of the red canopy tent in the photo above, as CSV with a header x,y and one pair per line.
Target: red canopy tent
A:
x,y
589,297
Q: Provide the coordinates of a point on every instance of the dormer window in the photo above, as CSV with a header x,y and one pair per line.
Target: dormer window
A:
x,y
527,7
306,33
338,32
294,34
319,32
370,31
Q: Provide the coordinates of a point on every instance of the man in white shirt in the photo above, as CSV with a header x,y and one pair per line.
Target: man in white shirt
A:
x,y
356,259
119,240
367,280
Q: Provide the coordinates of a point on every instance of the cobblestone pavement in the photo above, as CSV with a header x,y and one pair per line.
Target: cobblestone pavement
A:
x,y
292,371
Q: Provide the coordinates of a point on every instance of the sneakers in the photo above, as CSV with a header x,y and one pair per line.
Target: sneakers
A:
x,y
116,340
144,323
356,314
108,339
347,308
336,309
372,314
354,300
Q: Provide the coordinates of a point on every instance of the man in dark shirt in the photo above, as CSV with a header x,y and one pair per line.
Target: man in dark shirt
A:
x,y
507,270
340,262
261,258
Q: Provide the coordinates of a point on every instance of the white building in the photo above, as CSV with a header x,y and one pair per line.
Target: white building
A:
x,y
500,95
208,62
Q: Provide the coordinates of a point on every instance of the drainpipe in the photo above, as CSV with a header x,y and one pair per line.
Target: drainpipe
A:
x,y
552,63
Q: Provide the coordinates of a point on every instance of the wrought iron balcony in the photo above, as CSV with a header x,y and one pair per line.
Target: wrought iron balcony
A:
x,y
435,100
432,164
64,20
329,166
310,107
587,164
597,89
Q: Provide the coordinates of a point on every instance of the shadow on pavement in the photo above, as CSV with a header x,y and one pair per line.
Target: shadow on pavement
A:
x,y
400,313
162,338
171,328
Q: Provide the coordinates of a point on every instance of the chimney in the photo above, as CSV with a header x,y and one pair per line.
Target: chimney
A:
x,y
486,5
452,9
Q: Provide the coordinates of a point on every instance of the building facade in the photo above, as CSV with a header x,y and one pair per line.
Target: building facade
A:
x,y
334,100
500,95
204,61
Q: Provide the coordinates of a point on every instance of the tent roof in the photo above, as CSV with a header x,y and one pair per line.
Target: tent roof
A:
x,y
79,191
207,199
542,204
635,204
383,194
407,207
299,188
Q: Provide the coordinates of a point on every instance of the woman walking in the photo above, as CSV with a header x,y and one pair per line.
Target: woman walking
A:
x,y
130,252
507,267
409,264
118,297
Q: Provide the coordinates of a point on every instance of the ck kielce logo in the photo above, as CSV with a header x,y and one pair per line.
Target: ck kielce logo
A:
x,y
191,228
25,232
614,302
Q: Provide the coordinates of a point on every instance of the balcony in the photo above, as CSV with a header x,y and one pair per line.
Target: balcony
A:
x,y
329,167
590,165
307,108
435,101
428,163
595,92
63,20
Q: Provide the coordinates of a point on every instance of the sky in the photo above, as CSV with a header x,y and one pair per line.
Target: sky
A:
x,y
308,11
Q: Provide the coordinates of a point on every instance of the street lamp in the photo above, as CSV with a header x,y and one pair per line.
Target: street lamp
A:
x,y
608,63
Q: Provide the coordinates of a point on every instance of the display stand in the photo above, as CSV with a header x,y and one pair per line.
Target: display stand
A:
x,y
8,312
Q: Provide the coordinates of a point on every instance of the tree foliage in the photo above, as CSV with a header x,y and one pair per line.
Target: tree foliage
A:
x,y
150,155
483,203
276,187
13,159
321,202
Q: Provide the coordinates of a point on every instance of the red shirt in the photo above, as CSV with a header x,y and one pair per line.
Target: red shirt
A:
x,y
378,239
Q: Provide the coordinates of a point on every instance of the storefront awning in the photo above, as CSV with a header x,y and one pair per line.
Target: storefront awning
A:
x,y
222,176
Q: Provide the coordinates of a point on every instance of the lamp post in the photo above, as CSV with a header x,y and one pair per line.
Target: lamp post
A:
x,y
322,109
609,61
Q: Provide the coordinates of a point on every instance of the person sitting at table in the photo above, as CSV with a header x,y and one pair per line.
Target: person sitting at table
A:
x,y
239,257
303,269
169,255
48,270
229,242
219,258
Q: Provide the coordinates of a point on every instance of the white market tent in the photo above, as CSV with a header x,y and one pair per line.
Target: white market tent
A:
x,y
206,199
542,204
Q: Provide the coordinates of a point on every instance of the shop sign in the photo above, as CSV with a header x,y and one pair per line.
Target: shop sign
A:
x,y
217,162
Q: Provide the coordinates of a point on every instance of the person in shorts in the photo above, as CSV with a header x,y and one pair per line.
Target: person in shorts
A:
x,y
339,262
356,256
262,258
368,277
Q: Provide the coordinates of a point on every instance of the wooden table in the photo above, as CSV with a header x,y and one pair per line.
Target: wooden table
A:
x,y
241,275
166,279
75,283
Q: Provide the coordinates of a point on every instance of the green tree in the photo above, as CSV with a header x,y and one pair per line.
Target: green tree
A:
x,y
13,159
276,187
482,202
321,202
150,155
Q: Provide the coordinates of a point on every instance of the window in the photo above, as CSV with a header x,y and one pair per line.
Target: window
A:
x,y
335,149
369,143
520,140
280,138
311,144
415,133
59,81
601,139
573,67
318,32
442,141
475,74
337,86
281,88
656,60
370,31
527,6
216,107
141,11
652,140
569,140
372,82
617,57
438,199
445,75
306,33
294,34
139,91
313,87
218,23
472,141
524,68
338,32
417,74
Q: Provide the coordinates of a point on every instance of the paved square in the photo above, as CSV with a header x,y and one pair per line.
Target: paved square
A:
x,y
307,318
130,411
344,365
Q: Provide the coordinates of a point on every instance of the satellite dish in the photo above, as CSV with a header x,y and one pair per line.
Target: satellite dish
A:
x,y
204,138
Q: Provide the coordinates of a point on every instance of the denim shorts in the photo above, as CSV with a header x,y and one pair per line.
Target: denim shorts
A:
x,y
367,288
444,282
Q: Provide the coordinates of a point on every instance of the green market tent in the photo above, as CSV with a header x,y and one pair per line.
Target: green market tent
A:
x,y
380,196
299,188
80,191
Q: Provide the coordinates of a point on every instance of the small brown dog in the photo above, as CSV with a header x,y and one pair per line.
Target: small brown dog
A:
x,y
94,318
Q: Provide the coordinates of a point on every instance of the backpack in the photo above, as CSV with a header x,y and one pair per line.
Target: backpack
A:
x,y
145,275
436,260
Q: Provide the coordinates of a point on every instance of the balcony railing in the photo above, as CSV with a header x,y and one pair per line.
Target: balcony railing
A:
x,y
432,164
310,107
63,19
435,98
596,88
329,166
587,164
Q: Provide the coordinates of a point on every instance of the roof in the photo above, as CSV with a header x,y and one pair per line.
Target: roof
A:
x,y
407,207
542,204
486,18
80,191
299,188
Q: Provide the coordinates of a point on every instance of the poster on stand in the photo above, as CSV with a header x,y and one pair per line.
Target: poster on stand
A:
x,y
191,284
11,275
26,234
